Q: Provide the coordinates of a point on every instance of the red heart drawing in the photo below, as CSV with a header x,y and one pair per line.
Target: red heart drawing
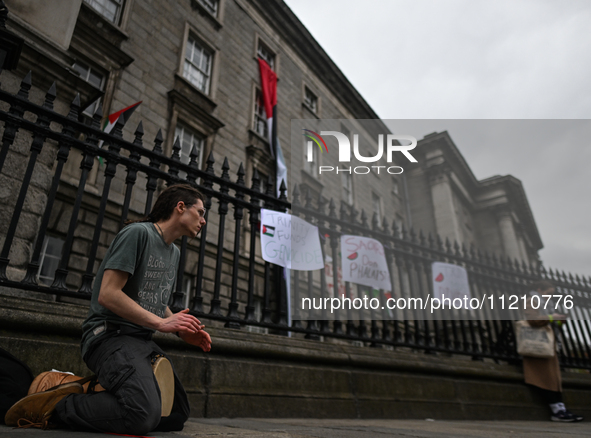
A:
x,y
352,256
439,278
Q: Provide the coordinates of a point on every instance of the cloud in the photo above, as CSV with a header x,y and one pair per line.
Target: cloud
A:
x,y
472,59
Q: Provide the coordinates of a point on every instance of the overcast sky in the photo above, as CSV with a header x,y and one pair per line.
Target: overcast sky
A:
x,y
476,59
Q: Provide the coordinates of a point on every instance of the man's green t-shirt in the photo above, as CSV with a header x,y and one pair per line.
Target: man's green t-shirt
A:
x,y
141,251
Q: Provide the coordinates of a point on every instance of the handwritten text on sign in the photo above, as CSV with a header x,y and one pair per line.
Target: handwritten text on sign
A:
x,y
364,262
290,242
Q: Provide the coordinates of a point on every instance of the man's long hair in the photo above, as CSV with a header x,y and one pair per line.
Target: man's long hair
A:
x,y
168,200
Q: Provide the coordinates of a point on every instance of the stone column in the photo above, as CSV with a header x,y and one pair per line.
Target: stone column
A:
x,y
508,234
522,243
446,219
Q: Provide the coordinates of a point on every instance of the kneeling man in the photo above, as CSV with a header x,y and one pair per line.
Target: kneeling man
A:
x,y
129,303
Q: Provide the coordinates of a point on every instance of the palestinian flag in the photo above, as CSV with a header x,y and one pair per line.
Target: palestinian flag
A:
x,y
125,113
268,230
269,91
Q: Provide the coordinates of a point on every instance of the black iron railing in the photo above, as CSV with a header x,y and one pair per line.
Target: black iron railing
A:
x,y
229,277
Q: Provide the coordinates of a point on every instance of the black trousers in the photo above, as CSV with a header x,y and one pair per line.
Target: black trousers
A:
x,y
549,397
131,403
15,379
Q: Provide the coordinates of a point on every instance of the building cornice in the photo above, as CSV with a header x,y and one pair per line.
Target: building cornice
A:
x,y
448,157
293,33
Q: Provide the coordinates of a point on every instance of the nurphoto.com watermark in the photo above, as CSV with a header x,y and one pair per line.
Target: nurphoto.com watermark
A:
x,y
389,208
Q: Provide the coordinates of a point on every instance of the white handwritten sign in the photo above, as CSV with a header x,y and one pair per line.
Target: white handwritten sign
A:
x,y
290,242
364,262
450,281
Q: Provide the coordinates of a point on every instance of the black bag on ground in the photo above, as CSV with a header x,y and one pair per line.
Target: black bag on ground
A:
x,y
15,379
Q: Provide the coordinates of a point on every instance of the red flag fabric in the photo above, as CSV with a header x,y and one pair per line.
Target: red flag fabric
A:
x,y
113,117
269,86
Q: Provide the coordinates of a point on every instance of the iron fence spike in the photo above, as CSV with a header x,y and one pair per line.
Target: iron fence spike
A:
x,y
25,86
240,173
385,226
256,181
158,142
74,108
332,212
193,155
97,117
176,150
50,97
139,131
343,212
99,112
375,221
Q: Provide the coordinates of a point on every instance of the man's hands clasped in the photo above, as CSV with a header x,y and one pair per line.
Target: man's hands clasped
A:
x,y
188,327
199,339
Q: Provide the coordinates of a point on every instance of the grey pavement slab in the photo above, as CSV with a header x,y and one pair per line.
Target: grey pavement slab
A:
x,y
341,428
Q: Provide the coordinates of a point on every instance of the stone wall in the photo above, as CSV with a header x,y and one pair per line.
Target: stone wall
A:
x,y
153,38
254,375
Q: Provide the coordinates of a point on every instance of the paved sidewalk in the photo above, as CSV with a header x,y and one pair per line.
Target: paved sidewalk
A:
x,y
313,428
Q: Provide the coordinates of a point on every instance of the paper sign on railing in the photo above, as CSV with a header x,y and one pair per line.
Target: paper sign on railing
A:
x,y
451,282
290,242
364,262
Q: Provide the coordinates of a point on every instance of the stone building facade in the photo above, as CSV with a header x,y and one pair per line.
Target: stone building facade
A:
x,y
447,200
193,65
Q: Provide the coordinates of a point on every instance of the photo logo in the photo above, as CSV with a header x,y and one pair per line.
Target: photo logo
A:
x,y
310,154
386,149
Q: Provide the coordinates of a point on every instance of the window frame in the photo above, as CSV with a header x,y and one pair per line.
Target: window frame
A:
x,y
91,109
345,130
314,105
214,70
180,124
260,41
269,57
203,10
198,125
44,256
118,14
317,160
258,104
348,199
204,4
205,49
380,209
